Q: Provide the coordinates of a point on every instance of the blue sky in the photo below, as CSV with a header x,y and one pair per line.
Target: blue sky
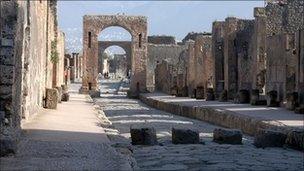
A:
x,y
176,18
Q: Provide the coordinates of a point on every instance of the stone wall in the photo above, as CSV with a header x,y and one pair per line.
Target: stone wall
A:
x,y
137,26
164,80
204,63
27,33
158,53
161,40
284,48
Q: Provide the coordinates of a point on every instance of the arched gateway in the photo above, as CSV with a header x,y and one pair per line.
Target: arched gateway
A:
x,y
137,27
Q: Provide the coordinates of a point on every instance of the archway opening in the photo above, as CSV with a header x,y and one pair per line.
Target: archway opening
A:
x,y
114,62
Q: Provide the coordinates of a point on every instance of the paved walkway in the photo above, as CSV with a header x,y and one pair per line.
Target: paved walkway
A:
x,y
123,112
68,138
281,115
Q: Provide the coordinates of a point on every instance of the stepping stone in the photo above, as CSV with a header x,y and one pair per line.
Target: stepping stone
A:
x,y
227,136
143,135
269,138
184,136
295,139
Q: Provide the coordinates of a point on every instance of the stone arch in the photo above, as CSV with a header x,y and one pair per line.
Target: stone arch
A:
x,y
125,45
135,25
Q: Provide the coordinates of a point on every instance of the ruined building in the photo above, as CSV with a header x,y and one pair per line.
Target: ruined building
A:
x,y
257,61
31,63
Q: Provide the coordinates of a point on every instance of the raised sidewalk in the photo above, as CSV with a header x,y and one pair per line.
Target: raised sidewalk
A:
x,y
246,117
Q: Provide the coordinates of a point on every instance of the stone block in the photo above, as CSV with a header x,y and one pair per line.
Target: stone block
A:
x,y
227,136
6,74
255,97
244,96
64,88
8,146
269,138
199,92
5,90
59,93
51,99
143,135
223,96
299,110
65,97
210,94
272,99
292,101
295,139
182,92
173,91
184,136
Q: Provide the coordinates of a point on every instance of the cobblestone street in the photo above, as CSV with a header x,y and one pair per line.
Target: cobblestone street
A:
x,y
123,112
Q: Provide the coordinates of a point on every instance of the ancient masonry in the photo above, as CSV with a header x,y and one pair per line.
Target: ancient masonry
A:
x,y
137,27
31,64
259,61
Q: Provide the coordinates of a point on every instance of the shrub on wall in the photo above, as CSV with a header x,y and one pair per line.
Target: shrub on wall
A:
x,y
54,53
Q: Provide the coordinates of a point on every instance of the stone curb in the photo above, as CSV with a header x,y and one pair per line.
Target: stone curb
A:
x,y
228,119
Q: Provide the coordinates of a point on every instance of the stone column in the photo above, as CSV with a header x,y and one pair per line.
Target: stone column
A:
x,y
218,54
259,51
231,70
76,66
191,68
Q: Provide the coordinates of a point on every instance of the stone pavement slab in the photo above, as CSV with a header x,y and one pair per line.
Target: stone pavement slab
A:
x,y
243,116
68,138
124,113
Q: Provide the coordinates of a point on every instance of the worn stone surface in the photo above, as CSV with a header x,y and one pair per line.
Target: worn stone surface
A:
x,y
137,26
8,146
240,116
60,93
123,112
51,100
272,99
161,40
268,138
65,97
244,96
143,135
295,139
292,101
226,136
184,136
